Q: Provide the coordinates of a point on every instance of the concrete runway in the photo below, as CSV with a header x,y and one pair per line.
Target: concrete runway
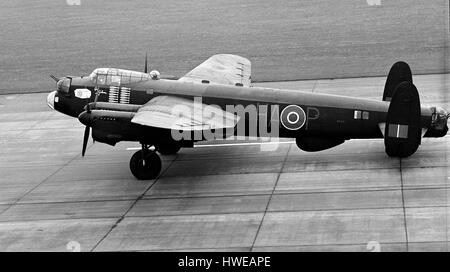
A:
x,y
289,40
241,198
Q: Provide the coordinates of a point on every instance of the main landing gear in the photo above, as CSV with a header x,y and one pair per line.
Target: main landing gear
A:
x,y
145,163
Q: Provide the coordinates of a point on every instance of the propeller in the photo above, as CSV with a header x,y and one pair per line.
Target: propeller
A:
x,y
87,130
98,92
54,78
146,66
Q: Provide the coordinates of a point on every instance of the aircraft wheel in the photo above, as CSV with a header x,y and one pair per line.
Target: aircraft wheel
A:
x,y
169,149
145,167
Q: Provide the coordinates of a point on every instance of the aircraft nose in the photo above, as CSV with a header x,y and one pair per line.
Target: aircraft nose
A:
x,y
51,100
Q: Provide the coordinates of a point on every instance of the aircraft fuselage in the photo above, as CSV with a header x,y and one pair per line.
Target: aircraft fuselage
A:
x,y
318,115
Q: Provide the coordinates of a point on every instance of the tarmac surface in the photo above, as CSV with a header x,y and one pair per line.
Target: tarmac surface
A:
x,y
291,40
233,196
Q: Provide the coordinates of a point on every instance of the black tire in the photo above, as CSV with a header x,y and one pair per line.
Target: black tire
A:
x,y
169,149
150,170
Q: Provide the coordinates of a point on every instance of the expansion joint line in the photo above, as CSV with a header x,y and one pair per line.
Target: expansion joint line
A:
x,y
39,184
314,86
132,205
403,206
270,198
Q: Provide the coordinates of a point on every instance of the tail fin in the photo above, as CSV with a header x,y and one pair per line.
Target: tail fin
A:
x,y
403,130
399,73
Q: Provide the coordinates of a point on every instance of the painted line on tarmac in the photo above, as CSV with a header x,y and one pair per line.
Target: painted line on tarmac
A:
x,y
259,143
232,144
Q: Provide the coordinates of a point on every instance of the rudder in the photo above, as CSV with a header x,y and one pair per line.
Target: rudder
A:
x,y
399,73
403,129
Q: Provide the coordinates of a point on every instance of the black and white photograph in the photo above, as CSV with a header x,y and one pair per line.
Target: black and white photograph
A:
x,y
224,126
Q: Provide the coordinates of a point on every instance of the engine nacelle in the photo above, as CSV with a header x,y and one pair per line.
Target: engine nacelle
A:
x,y
313,144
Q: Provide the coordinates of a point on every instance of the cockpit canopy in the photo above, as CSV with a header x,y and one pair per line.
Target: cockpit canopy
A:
x,y
113,76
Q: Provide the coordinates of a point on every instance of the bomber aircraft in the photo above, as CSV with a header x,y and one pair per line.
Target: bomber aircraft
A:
x,y
216,100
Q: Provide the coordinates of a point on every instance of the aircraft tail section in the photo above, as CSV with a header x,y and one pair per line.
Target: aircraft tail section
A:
x,y
399,73
403,132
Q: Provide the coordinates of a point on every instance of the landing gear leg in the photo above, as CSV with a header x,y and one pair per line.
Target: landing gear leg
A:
x,y
145,163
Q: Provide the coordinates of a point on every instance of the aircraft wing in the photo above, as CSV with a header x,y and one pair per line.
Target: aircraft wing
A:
x,y
172,112
221,69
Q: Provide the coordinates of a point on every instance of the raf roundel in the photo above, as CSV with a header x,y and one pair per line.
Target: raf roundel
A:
x,y
293,117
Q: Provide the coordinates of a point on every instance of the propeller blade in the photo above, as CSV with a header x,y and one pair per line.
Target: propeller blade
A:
x,y
87,131
145,68
88,107
54,78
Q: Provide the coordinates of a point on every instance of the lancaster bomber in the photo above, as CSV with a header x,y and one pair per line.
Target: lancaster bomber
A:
x,y
217,100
